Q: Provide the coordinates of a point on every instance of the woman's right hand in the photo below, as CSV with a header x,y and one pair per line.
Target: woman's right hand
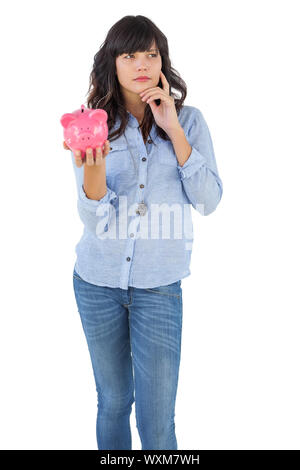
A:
x,y
89,159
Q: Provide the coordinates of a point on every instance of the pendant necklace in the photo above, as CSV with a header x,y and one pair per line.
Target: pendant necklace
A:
x,y
142,207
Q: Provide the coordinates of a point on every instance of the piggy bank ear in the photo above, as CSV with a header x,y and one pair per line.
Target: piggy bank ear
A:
x,y
66,119
100,114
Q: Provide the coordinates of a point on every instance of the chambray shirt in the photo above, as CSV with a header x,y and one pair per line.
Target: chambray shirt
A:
x,y
119,247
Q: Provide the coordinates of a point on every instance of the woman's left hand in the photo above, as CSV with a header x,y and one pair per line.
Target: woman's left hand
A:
x,y
165,114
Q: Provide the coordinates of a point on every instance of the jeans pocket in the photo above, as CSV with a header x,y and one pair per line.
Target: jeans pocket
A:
x,y
173,289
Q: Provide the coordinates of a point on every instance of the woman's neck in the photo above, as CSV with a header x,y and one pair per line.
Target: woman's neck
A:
x,y
137,110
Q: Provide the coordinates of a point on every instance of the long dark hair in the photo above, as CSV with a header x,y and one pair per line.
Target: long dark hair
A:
x,y
128,35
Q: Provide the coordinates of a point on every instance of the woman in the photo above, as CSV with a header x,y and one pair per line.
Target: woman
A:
x,y
127,279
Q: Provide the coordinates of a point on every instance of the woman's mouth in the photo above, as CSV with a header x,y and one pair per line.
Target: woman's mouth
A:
x,y
142,79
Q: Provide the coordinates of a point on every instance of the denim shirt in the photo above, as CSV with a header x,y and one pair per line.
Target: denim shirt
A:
x,y
120,247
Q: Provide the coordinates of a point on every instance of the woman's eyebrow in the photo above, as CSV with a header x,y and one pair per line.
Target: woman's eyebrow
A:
x,y
150,50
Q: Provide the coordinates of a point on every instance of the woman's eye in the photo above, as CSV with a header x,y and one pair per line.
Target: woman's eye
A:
x,y
128,55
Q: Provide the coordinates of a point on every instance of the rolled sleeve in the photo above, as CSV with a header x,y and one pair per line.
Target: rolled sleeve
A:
x,y
92,204
193,164
199,174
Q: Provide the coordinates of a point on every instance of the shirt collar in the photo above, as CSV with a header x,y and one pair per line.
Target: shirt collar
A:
x,y
132,122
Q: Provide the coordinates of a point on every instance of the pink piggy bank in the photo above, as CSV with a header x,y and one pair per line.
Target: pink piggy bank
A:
x,y
85,128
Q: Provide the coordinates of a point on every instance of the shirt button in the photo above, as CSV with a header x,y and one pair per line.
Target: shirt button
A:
x,y
144,159
132,234
128,258
142,186
150,141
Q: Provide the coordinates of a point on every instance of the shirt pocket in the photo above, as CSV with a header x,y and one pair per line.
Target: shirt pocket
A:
x,y
166,154
117,160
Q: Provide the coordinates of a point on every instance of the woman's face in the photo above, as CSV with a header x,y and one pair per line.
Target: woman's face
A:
x,y
129,67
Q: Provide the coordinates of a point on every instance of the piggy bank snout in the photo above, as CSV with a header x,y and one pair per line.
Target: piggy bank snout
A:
x,y
86,136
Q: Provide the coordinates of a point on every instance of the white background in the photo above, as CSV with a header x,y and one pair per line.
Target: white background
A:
x,y
239,373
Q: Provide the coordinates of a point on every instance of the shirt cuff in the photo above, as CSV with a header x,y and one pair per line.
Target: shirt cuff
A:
x,y
193,164
92,204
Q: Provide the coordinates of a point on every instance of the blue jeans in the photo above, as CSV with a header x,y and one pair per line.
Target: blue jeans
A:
x,y
134,340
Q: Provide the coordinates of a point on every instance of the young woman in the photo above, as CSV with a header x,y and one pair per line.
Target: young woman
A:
x,y
158,161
